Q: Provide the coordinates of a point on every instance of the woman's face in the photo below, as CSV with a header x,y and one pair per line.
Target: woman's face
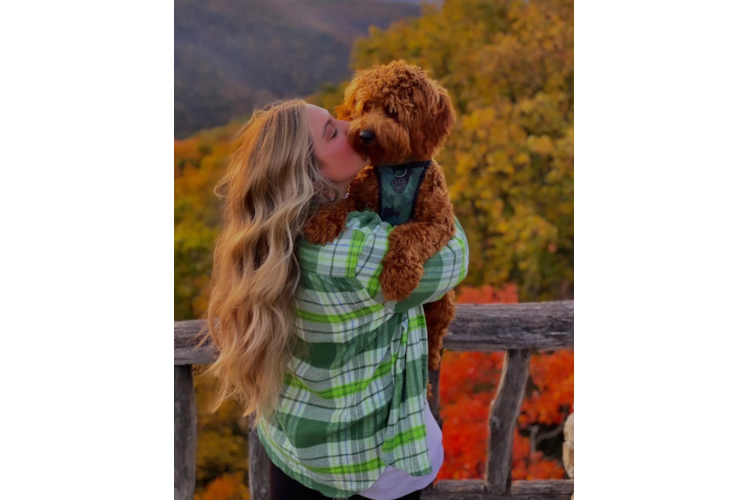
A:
x,y
339,162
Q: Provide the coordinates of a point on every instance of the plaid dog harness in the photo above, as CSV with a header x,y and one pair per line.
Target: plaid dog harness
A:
x,y
398,190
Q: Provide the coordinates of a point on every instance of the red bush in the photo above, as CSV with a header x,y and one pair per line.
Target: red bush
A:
x,y
467,386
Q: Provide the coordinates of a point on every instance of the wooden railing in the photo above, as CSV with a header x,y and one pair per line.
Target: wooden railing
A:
x,y
515,328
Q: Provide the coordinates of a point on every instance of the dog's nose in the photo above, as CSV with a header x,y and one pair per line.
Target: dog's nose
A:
x,y
366,136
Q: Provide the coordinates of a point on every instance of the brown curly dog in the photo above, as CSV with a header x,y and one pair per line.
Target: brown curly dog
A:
x,y
399,116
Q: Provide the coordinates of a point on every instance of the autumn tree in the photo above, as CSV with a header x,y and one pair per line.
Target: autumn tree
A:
x,y
508,66
468,384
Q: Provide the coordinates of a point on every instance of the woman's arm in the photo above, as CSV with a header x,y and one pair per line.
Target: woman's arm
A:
x,y
357,254
442,272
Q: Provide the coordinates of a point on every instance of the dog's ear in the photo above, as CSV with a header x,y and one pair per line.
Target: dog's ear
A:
x,y
438,121
343,112
442,112
356,93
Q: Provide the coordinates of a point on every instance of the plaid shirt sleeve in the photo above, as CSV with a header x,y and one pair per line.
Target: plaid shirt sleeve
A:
x,y
442,272
358,251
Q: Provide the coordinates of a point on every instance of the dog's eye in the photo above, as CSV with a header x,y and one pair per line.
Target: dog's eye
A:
x,y
391,114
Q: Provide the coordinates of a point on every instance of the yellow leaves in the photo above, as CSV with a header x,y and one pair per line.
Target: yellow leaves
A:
x,y
470,122
458,186
481,203
555,175
478,119
498,162
516,134
496,210
521,158
541,145
526,105
465,164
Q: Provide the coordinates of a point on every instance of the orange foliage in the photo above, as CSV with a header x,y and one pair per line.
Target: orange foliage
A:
x,y
508,294
553,375
468,384
225,487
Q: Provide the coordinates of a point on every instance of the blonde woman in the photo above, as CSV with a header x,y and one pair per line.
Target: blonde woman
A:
x,y
332,376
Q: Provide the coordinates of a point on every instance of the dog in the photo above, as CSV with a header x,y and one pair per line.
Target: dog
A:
x,y
400,118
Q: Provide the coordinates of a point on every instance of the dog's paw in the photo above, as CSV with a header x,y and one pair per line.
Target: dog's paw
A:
x,y
399,277
435,360
321,232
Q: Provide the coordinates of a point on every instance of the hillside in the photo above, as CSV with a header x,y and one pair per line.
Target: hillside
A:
x,y
231,56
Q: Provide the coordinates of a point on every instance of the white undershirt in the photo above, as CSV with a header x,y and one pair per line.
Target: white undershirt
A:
x,y
395,483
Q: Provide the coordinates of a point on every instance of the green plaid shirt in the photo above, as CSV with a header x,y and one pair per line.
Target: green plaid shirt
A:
x,y
358,402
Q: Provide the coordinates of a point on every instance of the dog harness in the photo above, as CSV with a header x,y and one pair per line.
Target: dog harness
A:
x,y
398,190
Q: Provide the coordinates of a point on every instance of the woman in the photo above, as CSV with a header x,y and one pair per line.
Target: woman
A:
x,y
333,377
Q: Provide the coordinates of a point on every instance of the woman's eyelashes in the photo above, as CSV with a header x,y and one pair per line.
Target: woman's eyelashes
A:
x,y
333,135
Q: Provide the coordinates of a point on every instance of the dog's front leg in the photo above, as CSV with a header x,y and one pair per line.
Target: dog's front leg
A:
x,y
411,245
328,222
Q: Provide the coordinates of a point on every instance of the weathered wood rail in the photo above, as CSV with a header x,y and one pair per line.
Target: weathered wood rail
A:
x,y
515,328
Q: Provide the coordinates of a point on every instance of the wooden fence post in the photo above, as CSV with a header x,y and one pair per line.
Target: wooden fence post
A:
x,y
502,417
259,467
434,399
185,433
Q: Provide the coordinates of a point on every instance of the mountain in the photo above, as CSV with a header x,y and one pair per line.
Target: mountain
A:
x,y
232,56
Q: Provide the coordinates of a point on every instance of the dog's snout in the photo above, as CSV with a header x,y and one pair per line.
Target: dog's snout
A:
x,y
366,136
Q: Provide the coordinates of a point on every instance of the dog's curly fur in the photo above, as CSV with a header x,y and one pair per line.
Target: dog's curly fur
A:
x,y
411,116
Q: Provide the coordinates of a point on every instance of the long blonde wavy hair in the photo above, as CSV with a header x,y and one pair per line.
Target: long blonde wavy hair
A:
x,y
271,183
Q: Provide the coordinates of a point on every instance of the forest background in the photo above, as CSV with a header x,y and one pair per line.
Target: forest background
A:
x,y
509,68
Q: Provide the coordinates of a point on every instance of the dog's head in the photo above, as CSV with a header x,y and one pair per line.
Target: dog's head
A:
x,y
396,113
